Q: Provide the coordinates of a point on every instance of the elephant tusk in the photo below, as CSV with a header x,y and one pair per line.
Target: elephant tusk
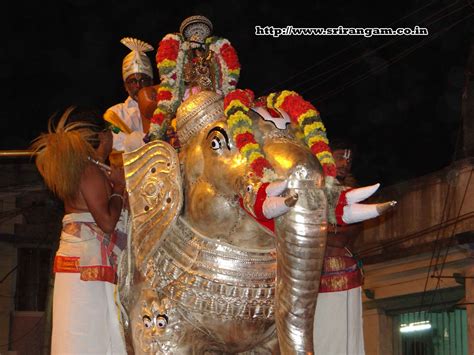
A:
x,y
360,194
275,207
360,212
276,188
384,207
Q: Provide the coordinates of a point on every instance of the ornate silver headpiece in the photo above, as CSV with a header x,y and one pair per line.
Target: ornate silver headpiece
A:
x,y
196,112
196,29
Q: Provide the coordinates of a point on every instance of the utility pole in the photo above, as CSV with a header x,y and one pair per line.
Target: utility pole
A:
x,y
467,108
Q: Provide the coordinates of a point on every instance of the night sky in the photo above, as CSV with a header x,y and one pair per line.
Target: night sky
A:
x,y
397,98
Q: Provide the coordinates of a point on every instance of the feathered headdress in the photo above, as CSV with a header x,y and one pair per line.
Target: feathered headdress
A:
x,y
136,61
62,155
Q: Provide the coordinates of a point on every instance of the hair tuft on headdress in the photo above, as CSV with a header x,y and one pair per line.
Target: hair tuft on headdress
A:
x,y
135,44
62,153
136,61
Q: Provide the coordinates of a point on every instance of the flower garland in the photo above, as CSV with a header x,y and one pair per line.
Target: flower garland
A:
x,y
161,117
167,56
262,102
236,107
228,66
304,115
171,59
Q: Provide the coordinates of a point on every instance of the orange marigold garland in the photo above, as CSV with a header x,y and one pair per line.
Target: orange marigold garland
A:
x,y
170,59
304,115
236,106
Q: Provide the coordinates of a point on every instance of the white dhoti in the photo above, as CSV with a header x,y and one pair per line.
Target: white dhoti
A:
x,y
85,318
338,327
85,315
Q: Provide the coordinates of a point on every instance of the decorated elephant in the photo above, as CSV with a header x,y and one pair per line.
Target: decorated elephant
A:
x,y
224,257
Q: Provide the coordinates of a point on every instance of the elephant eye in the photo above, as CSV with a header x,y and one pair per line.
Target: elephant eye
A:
x,y
249,188
147,322
216,143
161,321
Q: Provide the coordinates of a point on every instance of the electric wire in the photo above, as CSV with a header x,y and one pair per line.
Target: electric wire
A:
x,y
349,63
435,247
451,238
268,90
438,245
384,66
38,323
364,253
27,333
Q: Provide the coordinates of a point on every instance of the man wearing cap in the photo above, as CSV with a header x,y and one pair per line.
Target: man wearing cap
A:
x,y
338,327
137,73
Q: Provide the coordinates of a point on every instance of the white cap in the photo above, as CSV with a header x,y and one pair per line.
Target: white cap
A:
x,y
136,61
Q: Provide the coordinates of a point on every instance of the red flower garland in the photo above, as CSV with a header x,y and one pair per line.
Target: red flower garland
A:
x,y
230,56
236,106
167,49
303,114
246,97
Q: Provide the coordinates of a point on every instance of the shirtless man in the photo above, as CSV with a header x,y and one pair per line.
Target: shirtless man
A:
x,y
71,160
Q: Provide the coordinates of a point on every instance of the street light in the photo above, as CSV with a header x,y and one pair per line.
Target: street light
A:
x,y
415,327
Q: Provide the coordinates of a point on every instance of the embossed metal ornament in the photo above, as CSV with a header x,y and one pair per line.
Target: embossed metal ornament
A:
x,y
196,29
224,280
197,112
155,192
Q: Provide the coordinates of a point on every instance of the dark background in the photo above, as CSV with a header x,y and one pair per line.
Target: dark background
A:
x,y
398,98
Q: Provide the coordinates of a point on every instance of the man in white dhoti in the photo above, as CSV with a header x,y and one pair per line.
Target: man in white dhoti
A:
x,y
338,328
71,160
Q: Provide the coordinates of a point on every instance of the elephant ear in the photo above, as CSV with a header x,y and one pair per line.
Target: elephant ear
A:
x,y
154,185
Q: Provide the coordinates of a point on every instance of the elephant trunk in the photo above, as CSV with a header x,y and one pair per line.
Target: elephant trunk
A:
x,y
301,244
